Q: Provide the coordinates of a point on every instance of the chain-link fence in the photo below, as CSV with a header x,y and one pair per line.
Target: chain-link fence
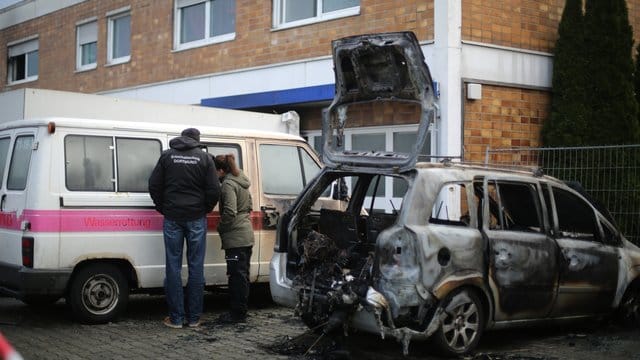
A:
x,y
610,174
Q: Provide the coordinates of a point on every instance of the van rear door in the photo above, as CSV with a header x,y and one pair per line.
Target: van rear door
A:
x,y
16,148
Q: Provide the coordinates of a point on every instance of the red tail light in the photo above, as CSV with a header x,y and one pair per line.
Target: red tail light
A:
x,y
27,251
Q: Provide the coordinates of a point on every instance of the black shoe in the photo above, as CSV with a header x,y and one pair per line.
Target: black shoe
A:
x,y
230,318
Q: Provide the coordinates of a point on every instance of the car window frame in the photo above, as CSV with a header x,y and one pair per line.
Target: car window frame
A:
x,y
598,234
536,196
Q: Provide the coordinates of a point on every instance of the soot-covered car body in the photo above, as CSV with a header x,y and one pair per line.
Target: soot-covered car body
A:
x,y
413,250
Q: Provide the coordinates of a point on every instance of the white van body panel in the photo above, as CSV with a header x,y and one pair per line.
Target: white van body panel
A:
x,y
70,227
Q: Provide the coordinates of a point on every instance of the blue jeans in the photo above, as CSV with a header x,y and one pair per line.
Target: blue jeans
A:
x,y
175,233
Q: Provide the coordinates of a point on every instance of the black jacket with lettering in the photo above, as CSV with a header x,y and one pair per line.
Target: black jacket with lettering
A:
x,y
184,185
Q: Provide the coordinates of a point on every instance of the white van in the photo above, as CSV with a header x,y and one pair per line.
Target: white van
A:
x,y
76,220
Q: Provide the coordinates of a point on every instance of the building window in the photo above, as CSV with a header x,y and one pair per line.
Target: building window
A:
x,y
119,41
22,64
200,22
288,13
87,39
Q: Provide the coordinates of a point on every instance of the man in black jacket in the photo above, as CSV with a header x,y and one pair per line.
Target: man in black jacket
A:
x,y
184,188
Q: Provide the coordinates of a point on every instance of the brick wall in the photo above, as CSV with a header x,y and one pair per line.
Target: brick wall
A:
x,y
152,59
634,19
525,24
369,114
504,117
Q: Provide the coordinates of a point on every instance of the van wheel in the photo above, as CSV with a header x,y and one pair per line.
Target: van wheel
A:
x,y
98,294
463,324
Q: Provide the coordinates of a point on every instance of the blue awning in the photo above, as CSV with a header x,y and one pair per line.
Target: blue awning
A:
x,y
272,98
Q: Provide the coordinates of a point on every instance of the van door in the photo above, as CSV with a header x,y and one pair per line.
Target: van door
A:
x,y
215,265
284,169
15,161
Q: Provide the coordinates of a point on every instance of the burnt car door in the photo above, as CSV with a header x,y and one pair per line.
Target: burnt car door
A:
x,y
522,269
588,260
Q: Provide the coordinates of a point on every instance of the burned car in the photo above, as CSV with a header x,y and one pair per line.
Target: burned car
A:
x,y
384,243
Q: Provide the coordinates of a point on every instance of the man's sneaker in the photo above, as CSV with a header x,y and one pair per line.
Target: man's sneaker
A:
x,y
194,325
167,322
230,318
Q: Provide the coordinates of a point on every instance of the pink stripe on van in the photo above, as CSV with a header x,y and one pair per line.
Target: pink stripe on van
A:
x,y
91,220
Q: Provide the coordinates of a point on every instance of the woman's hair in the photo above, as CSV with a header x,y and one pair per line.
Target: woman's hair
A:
x,y
227,163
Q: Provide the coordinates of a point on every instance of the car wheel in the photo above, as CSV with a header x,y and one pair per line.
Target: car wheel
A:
x,y
462,325
629,310
98,293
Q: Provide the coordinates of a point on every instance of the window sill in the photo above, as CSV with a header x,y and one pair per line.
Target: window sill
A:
x,y
86,68
27,80
118,61
204,42
318,19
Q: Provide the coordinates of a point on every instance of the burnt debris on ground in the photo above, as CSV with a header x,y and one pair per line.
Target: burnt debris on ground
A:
x,y
332,282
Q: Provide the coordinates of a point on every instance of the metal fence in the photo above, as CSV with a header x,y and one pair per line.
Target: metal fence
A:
x,y
611,174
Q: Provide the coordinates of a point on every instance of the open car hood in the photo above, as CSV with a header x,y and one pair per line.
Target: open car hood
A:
x,y
369,68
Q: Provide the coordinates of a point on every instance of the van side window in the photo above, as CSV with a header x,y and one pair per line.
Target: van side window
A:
x,y
89,163
576,219
451,206
136,160
90,166
4,151
224,149
514,207
20,160
285,169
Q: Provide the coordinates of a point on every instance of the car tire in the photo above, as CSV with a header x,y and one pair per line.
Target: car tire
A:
x,y
462,325
98,294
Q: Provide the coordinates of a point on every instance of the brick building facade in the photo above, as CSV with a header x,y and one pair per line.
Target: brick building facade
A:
x,y
504,46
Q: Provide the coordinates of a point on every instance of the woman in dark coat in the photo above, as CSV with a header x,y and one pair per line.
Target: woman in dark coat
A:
x,y
236,232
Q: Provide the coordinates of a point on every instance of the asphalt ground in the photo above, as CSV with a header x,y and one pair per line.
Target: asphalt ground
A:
x,y
273,332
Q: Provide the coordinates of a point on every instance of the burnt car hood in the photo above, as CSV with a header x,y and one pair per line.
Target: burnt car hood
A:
x,y
376,67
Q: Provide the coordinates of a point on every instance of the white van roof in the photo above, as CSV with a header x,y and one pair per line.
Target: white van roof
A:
x,y
28,103
133,126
